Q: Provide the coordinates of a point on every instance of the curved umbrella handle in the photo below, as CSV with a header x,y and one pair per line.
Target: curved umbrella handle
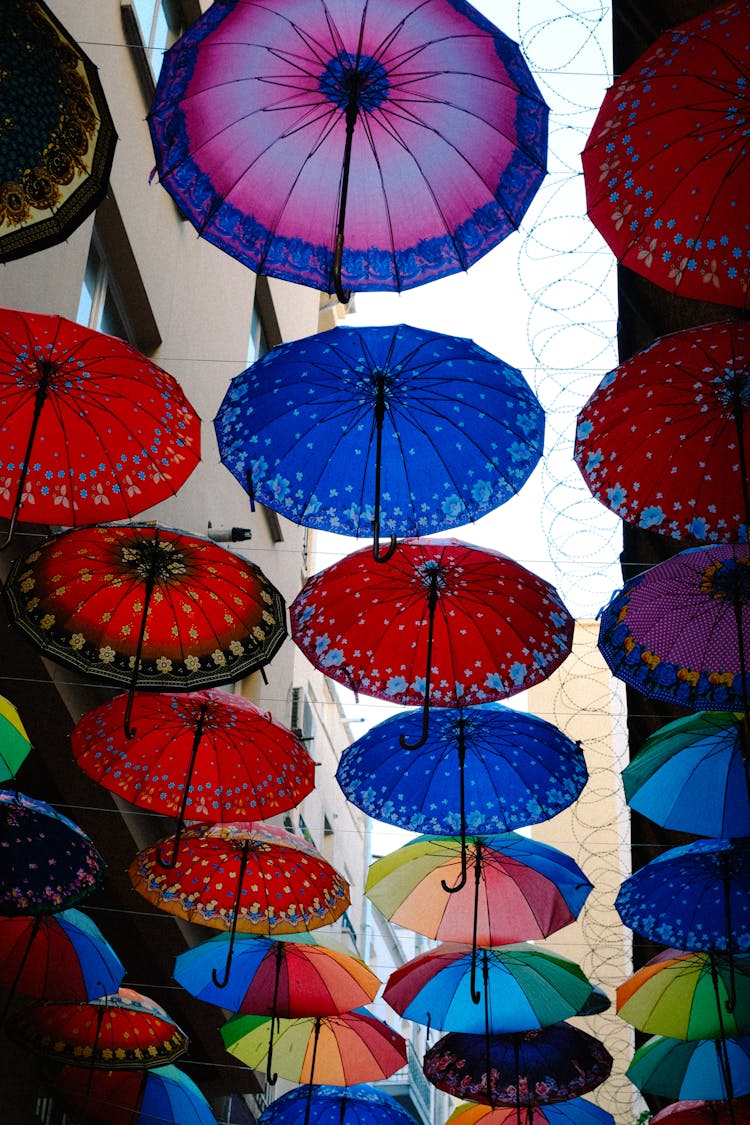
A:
x,y
389,551
233,928
462,814
423,736
170,864
271,1078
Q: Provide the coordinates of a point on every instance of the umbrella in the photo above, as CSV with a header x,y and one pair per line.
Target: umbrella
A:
x,y
126,1030
91,429
692,1112
49,863
444,623
676,632
663,441
206,755
523,988
58,143
14,741
576,1111
528,1068
161,1095
387,428
339,145
692,776
685,995
59,956
246,876
289,978
665,163
673,1068
146,605
337,1105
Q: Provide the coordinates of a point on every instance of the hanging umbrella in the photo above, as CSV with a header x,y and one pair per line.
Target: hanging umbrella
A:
x,y
677,632
444,623
59,956
692,776
576,1111
685,995
672,1068
206,755
48,861
665,164
289,978
692,1112
341,146
522,987
387,428
91,429
337,1105
14,741
125,1030
527,1069
161,1095
146,606
251,877
58,139
664,441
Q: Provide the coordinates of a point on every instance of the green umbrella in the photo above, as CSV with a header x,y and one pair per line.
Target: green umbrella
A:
x,y
14,741
701,1068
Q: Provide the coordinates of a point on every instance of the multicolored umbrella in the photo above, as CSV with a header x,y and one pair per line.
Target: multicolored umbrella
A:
x,y
14,741
392,429
702,1112
122,1031
677,632
207,755
49,863
664,440
522,987
576,1111
526,1069
57,148
339,145
672,1068
444,623
665,164
688,995
336,1105
91,429
161,1095
146,606
252,877
693,775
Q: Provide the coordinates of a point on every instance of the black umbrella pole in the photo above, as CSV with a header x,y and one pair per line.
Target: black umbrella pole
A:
x,y
235,912
316,1034
46,369
344,295
150,583
432,598
462,812
170,864
379,420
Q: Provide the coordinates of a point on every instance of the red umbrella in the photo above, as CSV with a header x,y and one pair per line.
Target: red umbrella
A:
x,y
666,163
91,429
704,1113
255,878
664,441
146,605
444,623
207,755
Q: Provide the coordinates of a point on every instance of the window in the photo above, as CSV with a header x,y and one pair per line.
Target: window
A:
x,y
303,718
99,306
257,345
159,25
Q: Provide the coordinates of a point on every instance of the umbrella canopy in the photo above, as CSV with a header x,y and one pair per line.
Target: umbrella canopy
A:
x,y
688,996
444,623
49,863
664,441
677,632
61,956
392,429
576,1111
122,1031
672,1068
277,978
692,1112
147,605
206,755
336,1105
529,1068
91,429
665,164
56,157
692,776
161,1095
339,145
521,988
14,741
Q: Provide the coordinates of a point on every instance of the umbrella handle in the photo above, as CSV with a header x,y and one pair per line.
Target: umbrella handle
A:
x,y
390,549
432,599
198,735
233,928
271,1079
379,420
462,814
170,864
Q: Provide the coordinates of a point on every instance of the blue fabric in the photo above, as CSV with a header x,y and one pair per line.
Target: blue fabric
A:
x,y
362,1105
462,430
170,1096
683,1071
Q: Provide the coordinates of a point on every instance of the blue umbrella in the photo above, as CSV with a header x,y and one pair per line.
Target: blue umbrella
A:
x,y
393,428
162,1095
692,776
698,1068
336,1105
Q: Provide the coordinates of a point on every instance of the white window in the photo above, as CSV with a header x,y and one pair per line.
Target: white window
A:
x,y
257,344
99,306
159,24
